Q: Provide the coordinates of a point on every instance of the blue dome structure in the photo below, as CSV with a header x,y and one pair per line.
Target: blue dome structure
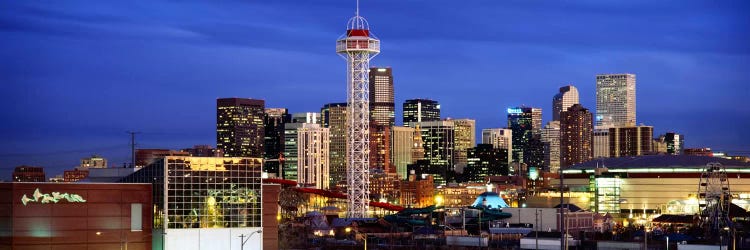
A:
x,y
490,200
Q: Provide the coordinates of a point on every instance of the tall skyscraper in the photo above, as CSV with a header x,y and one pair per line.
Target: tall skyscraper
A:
x,y
382,107
306,151
312,156
526,124
274,121
357,47
334,117
551,140
465,138
567,96
420,110
615,100
500,138
239,127
402,142
576,135
630,141
439,146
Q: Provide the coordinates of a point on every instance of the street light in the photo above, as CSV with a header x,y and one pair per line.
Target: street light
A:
x,y
243,240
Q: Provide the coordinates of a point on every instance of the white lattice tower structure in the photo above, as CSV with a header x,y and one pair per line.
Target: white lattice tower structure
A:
x,y
357,47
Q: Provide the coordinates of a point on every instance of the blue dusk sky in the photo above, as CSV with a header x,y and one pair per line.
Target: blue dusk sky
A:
x,y
76,75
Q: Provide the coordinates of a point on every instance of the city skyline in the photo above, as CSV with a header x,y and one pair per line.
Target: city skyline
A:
x,y
169,99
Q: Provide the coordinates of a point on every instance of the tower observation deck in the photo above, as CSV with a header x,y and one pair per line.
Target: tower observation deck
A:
x,y
357,47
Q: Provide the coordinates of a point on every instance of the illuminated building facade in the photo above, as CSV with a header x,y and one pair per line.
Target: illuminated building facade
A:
x,y
75,175
439,146
384,187
567,96
501,138
239,127
465,138
654,184
485,160
382,106
334,118
460,195
551,140
601,142
675,143
312,156
94,161
526,125
630,141
199,202
615,100
273,141
145,156
402,140
420,110
380,148
576,135
306,148
416,192
29,174
307,117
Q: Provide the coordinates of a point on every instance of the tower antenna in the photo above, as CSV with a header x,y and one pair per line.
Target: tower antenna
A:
x,y
356,13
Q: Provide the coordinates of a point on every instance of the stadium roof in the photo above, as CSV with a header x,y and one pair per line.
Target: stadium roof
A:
x,y
659,161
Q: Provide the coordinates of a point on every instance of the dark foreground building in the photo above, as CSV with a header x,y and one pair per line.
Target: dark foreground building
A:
x,y
37,215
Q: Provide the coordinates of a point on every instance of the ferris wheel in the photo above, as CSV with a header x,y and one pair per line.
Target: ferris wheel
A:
x,y
715,199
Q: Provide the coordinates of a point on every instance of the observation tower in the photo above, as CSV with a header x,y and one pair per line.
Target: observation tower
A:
x,y
357,47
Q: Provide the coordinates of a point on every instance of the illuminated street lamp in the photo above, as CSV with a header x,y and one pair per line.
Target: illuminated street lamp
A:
x,y
243,240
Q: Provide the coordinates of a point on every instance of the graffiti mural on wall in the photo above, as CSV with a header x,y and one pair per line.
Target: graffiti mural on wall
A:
x,y
54,197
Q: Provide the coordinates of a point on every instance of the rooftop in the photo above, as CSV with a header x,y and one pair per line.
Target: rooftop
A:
x,y
659,161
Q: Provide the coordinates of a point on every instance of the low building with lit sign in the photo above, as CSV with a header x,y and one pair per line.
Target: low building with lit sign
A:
x,y
36,215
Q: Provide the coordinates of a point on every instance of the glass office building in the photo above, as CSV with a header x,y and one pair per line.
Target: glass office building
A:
x,y
204,192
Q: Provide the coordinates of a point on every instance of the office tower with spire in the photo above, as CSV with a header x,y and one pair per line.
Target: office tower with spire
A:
x,y
357,47
333,116
576,135
615,100
420,110
239,127
567,96
417,150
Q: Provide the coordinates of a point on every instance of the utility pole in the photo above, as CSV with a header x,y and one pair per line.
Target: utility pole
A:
x,y
563,237
132,147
